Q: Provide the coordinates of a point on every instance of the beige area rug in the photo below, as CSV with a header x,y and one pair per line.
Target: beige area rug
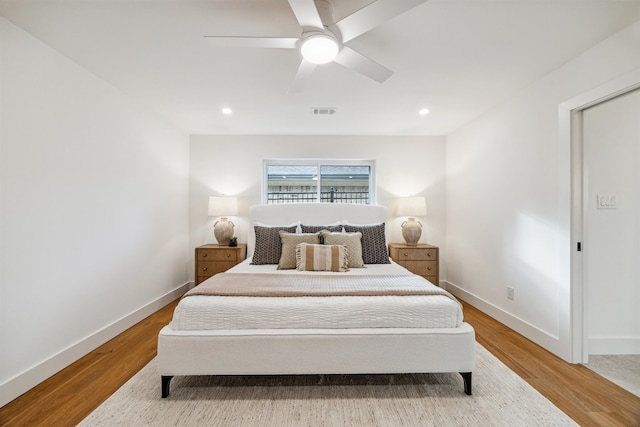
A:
x,y
620,369
500,398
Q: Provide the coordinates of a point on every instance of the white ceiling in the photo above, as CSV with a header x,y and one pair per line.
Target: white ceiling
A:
x,y
455,57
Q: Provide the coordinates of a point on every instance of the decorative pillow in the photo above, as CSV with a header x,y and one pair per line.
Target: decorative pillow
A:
x,y
295,224
336,228
374,244
268,245
311,257
316,228
289,242
352,241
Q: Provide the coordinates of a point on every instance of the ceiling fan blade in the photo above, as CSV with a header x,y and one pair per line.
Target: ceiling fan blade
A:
x,y
306,13
302,75
356,61
268,42
371,16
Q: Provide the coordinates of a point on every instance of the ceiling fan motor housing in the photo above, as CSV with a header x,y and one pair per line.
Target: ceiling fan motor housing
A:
x,y
325,10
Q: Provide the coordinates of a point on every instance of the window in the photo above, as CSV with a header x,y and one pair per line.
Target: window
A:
x,y
325,181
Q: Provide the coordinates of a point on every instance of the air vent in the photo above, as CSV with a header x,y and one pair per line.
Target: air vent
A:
x,y
323,111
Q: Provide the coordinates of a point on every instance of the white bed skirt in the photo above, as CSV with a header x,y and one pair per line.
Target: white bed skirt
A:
x,y
322,351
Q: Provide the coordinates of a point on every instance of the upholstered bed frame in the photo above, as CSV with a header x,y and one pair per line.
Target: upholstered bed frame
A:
x,y
316,351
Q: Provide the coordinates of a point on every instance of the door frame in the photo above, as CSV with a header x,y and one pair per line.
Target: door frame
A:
x,y
571,176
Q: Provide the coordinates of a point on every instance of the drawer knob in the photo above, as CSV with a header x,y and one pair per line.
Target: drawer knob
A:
x,y
204,255
204,268
228,255
429,268
428,253
405,254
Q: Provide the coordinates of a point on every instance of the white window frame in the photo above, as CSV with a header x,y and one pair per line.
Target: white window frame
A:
x,y
319,163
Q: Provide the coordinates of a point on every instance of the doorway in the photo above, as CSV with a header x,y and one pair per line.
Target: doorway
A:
x,y
611,225
572,261
611,237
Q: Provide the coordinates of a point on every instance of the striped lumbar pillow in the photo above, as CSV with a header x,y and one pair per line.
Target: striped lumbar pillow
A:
x,y
310,257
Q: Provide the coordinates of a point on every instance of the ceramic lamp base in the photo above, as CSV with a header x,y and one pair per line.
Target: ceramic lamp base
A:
x,y
223,231
411,231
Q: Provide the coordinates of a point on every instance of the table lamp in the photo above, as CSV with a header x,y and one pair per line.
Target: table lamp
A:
x,y
223,206
411,207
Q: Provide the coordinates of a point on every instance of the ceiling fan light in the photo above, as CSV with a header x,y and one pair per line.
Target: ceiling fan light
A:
x,y
319,49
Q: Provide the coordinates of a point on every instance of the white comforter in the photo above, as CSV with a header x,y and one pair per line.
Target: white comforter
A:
x,y
335,312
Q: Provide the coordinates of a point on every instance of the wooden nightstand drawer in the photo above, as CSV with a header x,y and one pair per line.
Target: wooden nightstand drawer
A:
x,y
209,268
417,254
218,255
421,268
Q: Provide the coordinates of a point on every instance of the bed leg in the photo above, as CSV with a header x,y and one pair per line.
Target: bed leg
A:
x,y
466,376
166,380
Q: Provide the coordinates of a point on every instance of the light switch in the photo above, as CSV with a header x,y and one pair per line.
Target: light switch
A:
x,y
607,201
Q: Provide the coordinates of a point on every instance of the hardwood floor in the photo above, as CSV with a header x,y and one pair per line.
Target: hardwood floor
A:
x,y
69,396
588,398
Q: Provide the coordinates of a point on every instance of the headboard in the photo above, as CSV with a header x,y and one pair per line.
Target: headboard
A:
x,y
313,214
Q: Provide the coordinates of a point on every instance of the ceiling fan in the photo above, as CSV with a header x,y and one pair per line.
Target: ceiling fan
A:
x,y
324,40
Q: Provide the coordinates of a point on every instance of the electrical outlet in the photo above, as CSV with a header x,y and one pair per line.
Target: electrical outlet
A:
x,y
607,201
510,292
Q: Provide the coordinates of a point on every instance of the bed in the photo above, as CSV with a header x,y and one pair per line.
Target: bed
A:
x,y
375,318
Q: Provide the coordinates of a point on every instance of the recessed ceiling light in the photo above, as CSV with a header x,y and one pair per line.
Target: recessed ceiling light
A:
x,y
423,112
227,111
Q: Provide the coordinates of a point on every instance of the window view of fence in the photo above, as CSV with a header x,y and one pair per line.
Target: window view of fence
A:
x,y
303,184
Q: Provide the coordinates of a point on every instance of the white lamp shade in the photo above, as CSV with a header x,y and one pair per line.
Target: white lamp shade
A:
x,y
223,206
411,206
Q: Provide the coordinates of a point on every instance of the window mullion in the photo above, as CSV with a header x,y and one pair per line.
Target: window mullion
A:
x,y
319,186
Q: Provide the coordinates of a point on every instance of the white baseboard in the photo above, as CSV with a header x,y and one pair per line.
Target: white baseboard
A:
x,y
24,382
524,328
614,345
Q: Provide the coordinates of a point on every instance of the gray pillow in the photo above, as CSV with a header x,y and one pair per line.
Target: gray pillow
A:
x,y
374,243
315,228
268,245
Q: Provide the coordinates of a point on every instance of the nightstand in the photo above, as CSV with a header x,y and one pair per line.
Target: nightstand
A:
x,y
421,259
213,259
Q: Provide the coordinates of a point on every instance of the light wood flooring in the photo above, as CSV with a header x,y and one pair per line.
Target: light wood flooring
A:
x,y
69,396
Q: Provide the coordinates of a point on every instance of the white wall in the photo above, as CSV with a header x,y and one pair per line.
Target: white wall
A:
x,y
93,211
611,144
507,202
232,165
